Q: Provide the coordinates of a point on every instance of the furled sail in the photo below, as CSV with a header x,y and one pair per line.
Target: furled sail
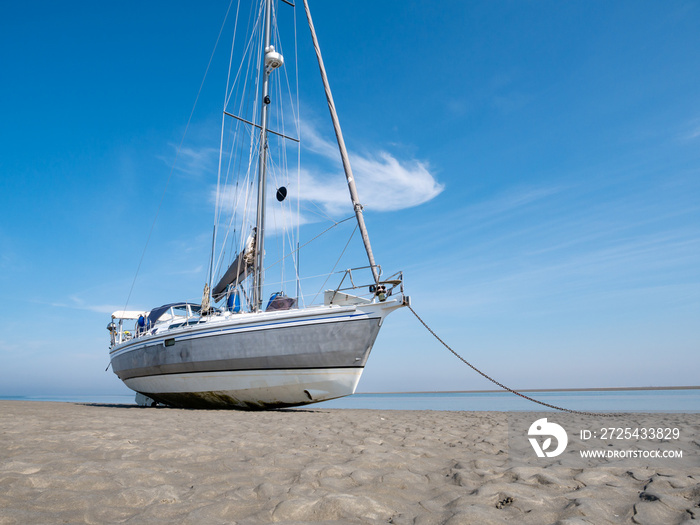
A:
x,y
240,268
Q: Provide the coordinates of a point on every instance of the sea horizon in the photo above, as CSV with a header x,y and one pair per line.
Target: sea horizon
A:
x,y
586,389
615,399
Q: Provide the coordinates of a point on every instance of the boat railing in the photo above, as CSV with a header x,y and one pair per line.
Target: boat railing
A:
x,y
384,288
172,317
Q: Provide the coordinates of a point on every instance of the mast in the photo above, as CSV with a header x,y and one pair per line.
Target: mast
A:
x,y
272,61
343,151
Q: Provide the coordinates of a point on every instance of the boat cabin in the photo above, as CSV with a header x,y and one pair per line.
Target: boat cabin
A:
x,y
164,317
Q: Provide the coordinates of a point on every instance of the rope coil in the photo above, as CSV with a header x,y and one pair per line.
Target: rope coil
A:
x,y
555,407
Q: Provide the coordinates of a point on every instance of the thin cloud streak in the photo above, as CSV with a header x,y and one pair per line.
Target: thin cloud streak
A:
x,y
572,248
80,305
194,161
502,205
590,277
384,182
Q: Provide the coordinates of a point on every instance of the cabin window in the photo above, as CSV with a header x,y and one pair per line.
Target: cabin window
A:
x,y
195,309
180,311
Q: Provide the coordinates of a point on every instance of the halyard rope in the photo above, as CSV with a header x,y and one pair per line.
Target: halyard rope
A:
x,y
555,407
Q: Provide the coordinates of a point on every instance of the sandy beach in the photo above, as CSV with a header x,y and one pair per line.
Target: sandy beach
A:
x,y
76,463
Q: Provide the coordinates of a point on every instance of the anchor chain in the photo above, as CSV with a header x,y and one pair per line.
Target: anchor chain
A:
x,y
555,407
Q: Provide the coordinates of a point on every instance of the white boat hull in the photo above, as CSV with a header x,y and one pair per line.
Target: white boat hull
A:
x,y
249,389
255,361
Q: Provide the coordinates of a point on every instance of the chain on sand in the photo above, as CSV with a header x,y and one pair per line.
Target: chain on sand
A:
x,y
499,384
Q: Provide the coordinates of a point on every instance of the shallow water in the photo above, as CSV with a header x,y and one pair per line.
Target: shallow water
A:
x,y
597,401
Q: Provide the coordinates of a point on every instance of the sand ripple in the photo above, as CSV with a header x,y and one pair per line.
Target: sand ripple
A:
x,y
72,463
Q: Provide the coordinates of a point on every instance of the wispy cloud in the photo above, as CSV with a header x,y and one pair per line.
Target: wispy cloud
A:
x,y
243,198
78,303
651,270
504,206
384,182
25,346
590,247
692,131
198,156
693,134
515,199
197,161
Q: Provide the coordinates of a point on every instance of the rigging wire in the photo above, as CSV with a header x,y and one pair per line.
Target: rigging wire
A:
x,y
255,33
336,263
248,74
320,211
221,151
177,153
297,120
246,80
311,240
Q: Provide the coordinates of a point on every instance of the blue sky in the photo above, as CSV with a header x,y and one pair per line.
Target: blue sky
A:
x,y
532,167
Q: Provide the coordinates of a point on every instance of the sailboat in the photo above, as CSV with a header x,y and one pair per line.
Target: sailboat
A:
x,y
234,349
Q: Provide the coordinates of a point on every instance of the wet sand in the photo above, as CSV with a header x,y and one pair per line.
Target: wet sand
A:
x,y
74,463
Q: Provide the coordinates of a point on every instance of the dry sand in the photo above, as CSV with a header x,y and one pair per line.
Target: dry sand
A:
x,y
72,463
